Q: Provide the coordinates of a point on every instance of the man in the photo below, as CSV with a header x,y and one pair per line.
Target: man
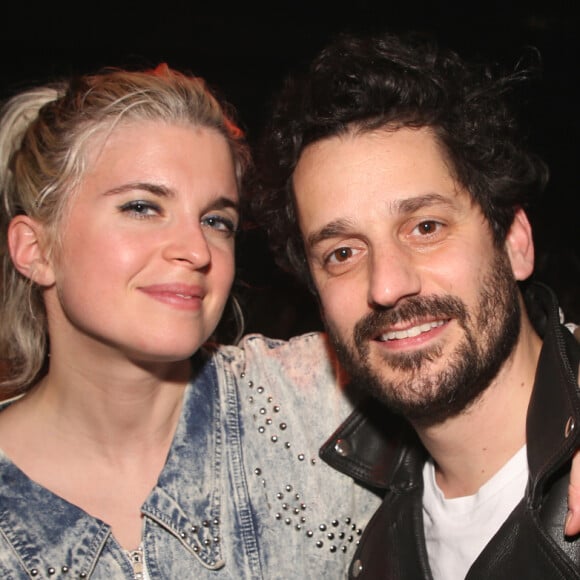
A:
x,y
396,184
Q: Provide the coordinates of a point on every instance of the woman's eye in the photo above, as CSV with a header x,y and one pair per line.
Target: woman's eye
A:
x,y
219,223
141,208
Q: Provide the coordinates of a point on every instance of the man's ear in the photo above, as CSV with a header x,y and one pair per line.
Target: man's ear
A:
x,y
28,251
520,246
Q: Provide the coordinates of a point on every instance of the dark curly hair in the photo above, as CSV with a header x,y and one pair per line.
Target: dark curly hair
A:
x,y
363,83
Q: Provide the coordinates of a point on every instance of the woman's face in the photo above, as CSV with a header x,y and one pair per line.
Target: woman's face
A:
x,y
147,255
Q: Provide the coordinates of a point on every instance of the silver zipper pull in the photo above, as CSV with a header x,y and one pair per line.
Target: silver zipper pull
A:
x,y
136,558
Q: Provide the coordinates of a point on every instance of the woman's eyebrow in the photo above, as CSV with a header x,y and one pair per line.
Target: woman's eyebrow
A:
x,y
222,202
154,188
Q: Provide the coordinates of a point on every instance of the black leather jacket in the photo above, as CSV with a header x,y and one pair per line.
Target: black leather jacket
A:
x,y
382,452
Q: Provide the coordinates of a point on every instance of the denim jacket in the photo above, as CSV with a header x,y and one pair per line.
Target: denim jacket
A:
x,y
242,495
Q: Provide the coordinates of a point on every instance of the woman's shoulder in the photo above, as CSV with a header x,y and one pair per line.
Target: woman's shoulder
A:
x,y
308,345
301,359
301,373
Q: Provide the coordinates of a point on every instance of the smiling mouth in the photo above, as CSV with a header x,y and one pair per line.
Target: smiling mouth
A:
x,y
412,331
178,295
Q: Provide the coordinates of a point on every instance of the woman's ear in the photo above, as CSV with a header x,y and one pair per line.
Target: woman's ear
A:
x,y
28,251
520,246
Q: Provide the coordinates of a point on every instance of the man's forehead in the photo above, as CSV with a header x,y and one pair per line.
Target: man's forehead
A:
x,y
397,163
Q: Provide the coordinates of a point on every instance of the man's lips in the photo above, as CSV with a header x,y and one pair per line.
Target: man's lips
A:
x,y
413,323
412,331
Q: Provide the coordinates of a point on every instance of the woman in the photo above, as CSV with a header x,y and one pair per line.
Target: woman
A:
x,y
131,448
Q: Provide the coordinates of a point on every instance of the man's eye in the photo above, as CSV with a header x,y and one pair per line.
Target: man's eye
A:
x,y
340,255
428,227
140,208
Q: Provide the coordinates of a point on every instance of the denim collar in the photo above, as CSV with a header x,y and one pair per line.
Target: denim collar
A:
x,y
43,528
187,498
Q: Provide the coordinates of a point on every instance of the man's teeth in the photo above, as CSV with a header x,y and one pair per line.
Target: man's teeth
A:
x,y
186,296
413,331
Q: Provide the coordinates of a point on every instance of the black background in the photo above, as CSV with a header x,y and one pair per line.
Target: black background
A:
x,y
245,49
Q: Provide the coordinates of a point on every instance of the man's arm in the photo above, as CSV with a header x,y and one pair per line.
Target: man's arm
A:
x,y
573,517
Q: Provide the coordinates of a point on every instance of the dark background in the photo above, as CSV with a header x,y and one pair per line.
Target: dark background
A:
x,y
245,49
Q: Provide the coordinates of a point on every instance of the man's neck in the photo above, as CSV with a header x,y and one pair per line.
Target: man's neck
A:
x,y
470,448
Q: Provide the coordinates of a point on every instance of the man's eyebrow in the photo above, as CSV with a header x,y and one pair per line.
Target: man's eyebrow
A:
x,y
409,205
330,230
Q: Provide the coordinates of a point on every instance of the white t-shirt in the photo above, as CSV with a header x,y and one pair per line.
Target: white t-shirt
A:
x,y
457,530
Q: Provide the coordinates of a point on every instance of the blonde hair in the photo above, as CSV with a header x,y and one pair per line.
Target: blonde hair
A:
x,y
43,132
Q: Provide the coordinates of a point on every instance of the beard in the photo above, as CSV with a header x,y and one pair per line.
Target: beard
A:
x,y
423,397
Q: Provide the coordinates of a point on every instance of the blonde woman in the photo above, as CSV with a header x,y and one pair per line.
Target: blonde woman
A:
x,y
130,446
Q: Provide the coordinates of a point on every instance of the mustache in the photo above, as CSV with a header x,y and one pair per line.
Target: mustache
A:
x,y
411,309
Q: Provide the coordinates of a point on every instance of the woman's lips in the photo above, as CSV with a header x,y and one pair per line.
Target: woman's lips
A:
x,y
183,296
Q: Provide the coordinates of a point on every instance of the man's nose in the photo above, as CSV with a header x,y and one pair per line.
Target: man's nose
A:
x,y
393,275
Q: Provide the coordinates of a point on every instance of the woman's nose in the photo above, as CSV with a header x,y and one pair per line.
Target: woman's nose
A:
x,y
188,245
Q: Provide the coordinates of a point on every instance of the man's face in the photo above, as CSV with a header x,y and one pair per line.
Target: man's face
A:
x,y
421,306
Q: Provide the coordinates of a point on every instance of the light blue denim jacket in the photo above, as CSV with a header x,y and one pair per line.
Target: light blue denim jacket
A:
x,y
243,494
